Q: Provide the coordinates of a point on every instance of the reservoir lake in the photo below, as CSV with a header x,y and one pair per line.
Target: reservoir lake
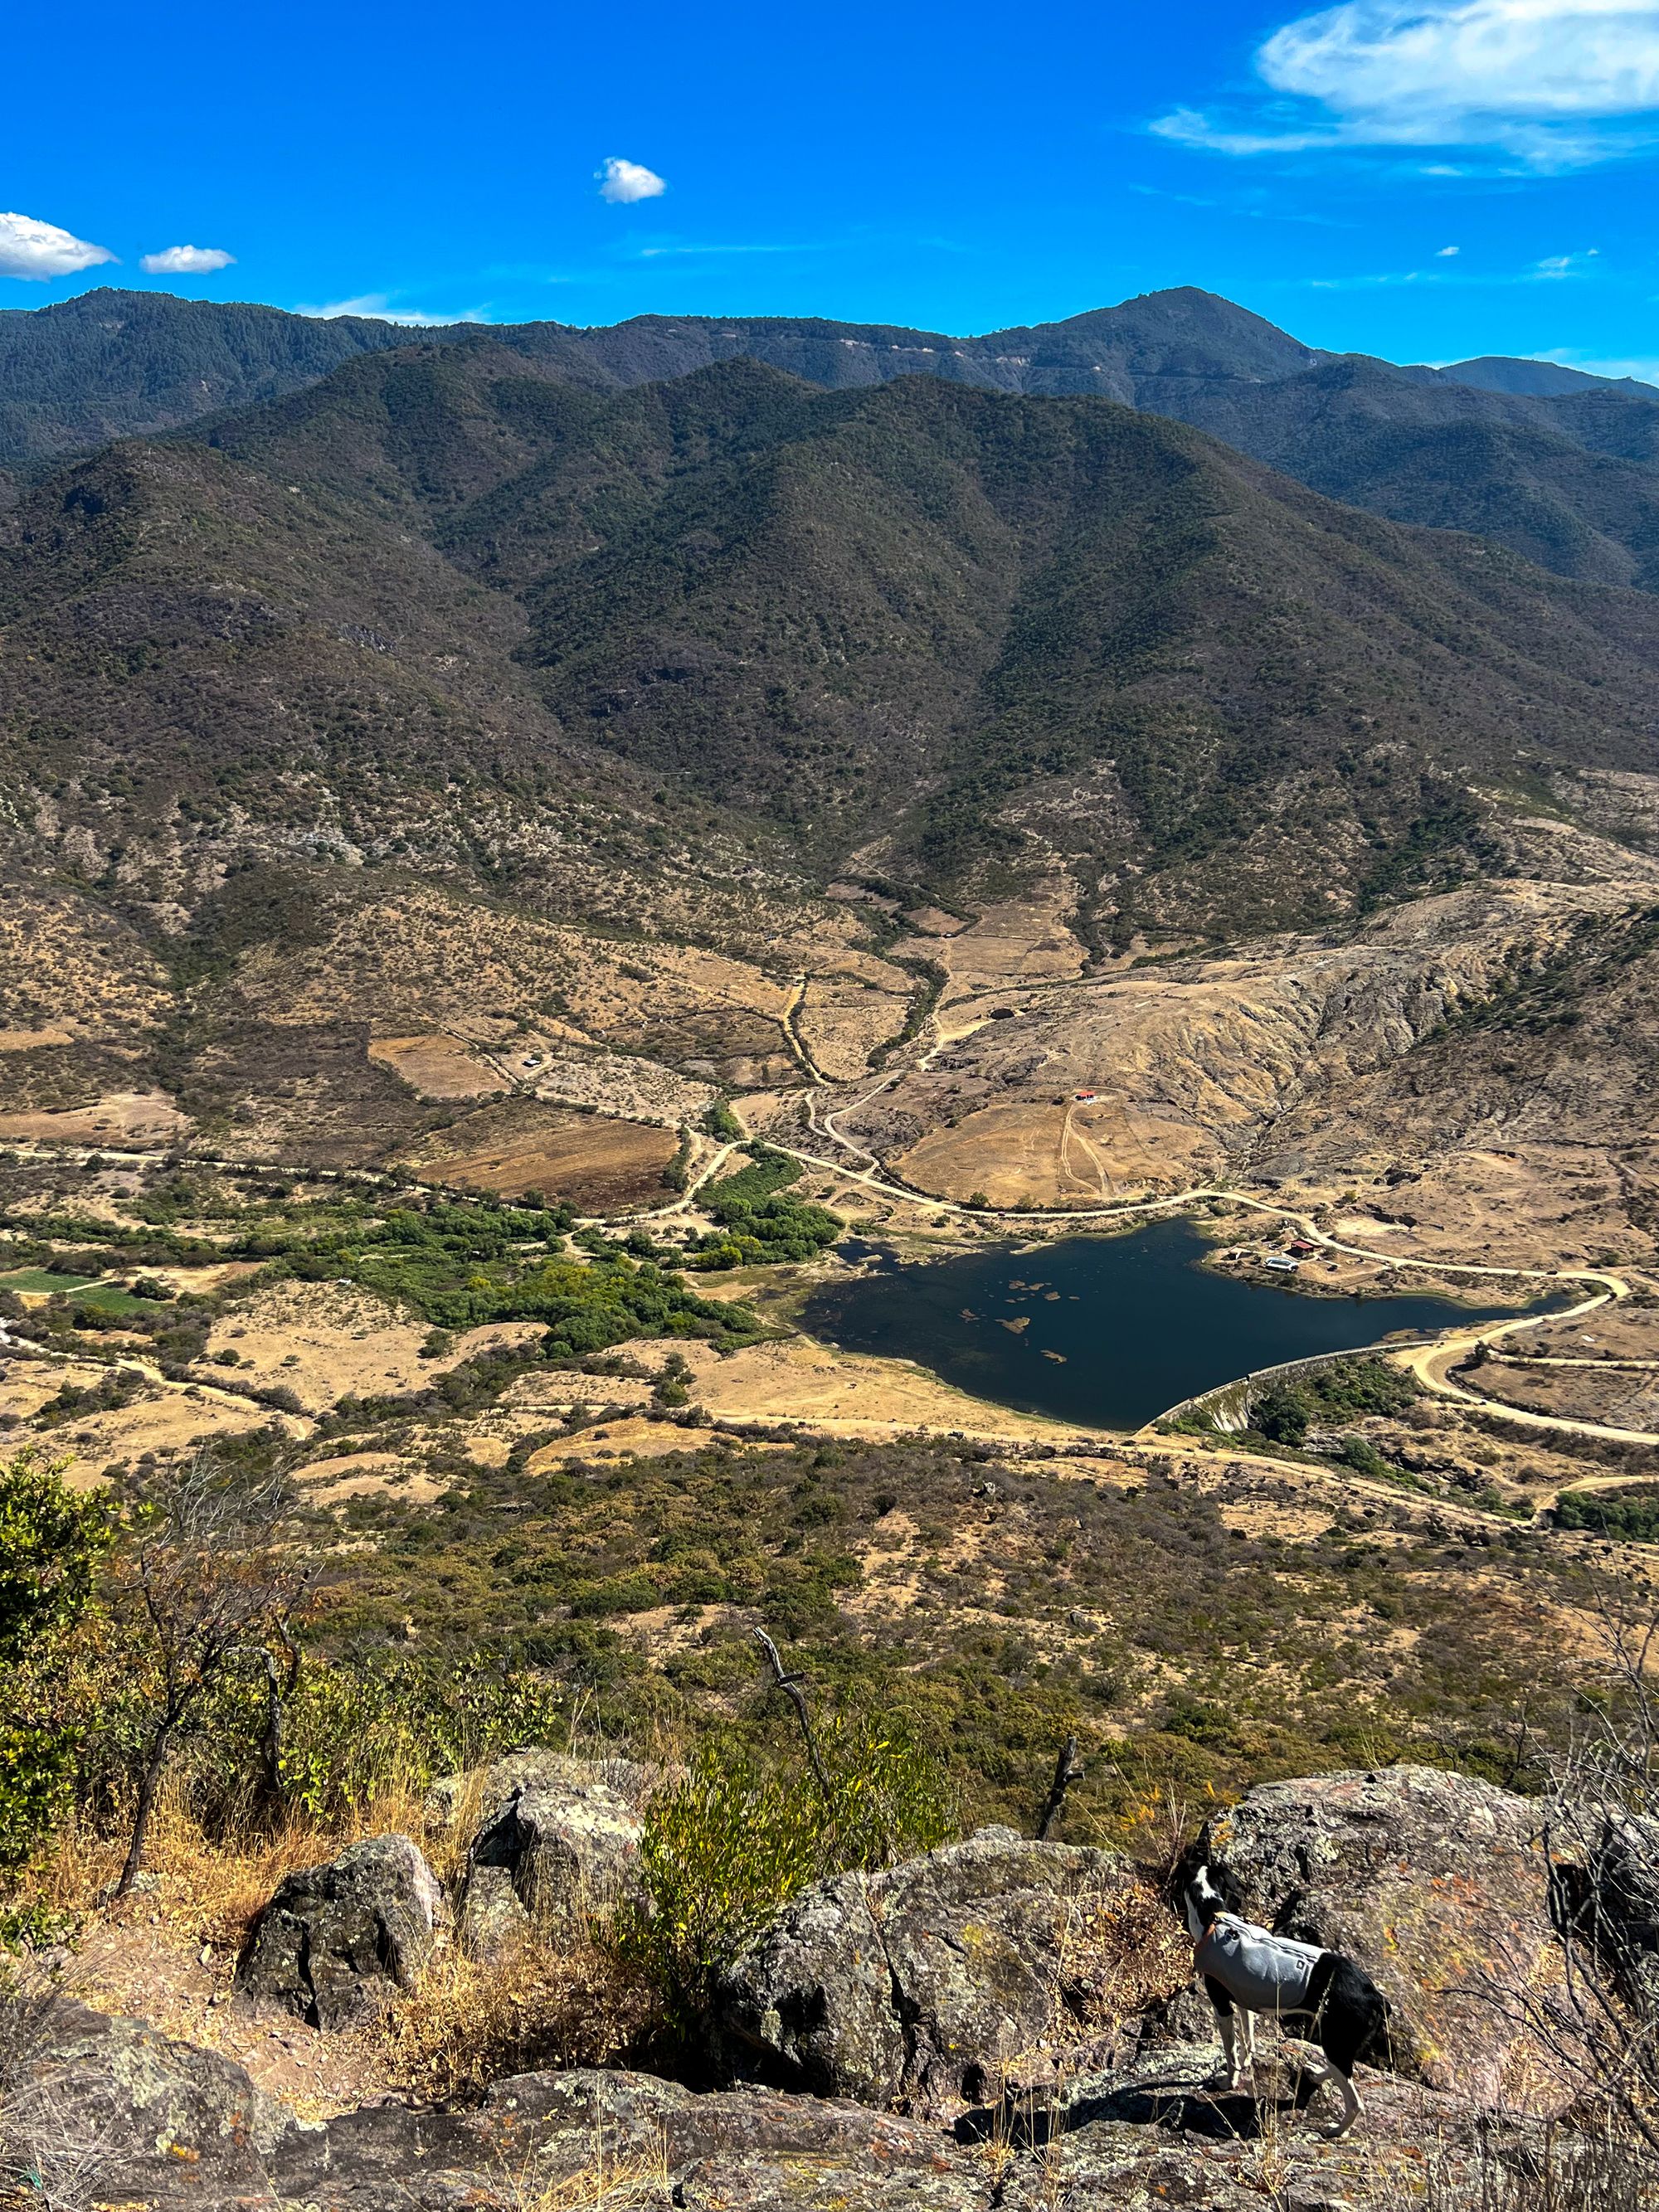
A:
x,y
1111,1331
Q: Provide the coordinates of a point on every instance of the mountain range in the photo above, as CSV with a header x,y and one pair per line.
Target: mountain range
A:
x,y
1561,466
639,635
953,618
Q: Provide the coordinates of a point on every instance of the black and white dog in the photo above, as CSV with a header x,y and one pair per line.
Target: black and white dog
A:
x,y
1317,1996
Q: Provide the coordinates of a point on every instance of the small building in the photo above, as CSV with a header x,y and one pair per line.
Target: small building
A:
x,y
1281,1263
1085,1097
1301,1248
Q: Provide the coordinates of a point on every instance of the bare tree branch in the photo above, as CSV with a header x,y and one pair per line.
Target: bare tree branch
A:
x,y
791,1687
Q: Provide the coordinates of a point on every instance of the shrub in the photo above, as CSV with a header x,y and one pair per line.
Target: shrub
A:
x,y
725,1848
543,2008
354,1733
1281,1414
50,1544
1362,1455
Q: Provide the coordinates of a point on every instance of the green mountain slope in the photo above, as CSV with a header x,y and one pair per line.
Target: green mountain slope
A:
x,y
1502,448
446,589
109,363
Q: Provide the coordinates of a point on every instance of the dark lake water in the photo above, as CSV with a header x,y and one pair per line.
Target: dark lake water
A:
x,y
1110,1330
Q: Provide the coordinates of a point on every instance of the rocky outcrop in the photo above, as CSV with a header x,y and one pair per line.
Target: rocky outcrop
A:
x,y
99,2107
181,2130
939,1980
1437,1886
336,1941
562,1848
458,1800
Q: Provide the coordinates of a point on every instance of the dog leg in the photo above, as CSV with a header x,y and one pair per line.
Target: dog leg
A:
x,y
1249,2022
1321,2068
1229,2026
1352,2107
1227,2022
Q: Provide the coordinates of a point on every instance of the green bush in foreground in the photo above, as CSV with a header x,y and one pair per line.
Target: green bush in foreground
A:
x,y
52,1543
730,1845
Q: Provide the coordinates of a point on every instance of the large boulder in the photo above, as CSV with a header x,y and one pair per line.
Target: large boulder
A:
x,y
97,2106
1437,1886
558,1850
950,1978
337,1940
456,1803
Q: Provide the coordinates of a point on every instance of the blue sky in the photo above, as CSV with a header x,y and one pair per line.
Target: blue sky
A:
x,y
1424,181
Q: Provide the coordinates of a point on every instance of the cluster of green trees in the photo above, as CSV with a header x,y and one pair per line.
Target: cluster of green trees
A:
x,y
759,1221
1631,1514
1346,1389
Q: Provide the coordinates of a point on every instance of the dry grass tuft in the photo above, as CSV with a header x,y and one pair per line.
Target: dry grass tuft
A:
x,y
610,2182
213,1886
468,2022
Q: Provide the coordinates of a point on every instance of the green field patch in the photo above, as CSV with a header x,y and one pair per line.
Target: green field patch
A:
x,y
110,1298
44,1281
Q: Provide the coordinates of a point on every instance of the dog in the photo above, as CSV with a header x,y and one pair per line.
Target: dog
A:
x,y
1317,1996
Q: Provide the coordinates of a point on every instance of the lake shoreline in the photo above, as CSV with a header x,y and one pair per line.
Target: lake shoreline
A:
x,y
1113,1330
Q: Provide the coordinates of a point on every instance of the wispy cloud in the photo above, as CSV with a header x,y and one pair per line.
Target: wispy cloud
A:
x,y
377,306
1643,367
622,182
185,261
37,249
1553,268
662,253
1552,84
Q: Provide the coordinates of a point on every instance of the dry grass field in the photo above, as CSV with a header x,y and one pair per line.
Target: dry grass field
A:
x,y
437,1067
326,1341
597,1164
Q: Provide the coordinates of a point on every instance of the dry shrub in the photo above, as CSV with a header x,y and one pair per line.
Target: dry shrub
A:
x,y
468,2022
213,1885
1121,1951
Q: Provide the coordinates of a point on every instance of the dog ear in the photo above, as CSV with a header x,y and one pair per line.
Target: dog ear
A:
x,y
1184,1872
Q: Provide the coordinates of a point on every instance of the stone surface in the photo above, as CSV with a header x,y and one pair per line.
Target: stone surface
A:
x,y
1436,1884
336,1941
557,1850
101,2106
182,2130
459,1801
937,1980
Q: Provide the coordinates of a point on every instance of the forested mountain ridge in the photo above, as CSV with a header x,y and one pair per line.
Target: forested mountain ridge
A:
x,y
952,620
1560,466
109,363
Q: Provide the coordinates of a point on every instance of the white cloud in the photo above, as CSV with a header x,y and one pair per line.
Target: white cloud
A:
x,y
622,182
34,249
377,306
185,261
1558,84
1447,251
1645,368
